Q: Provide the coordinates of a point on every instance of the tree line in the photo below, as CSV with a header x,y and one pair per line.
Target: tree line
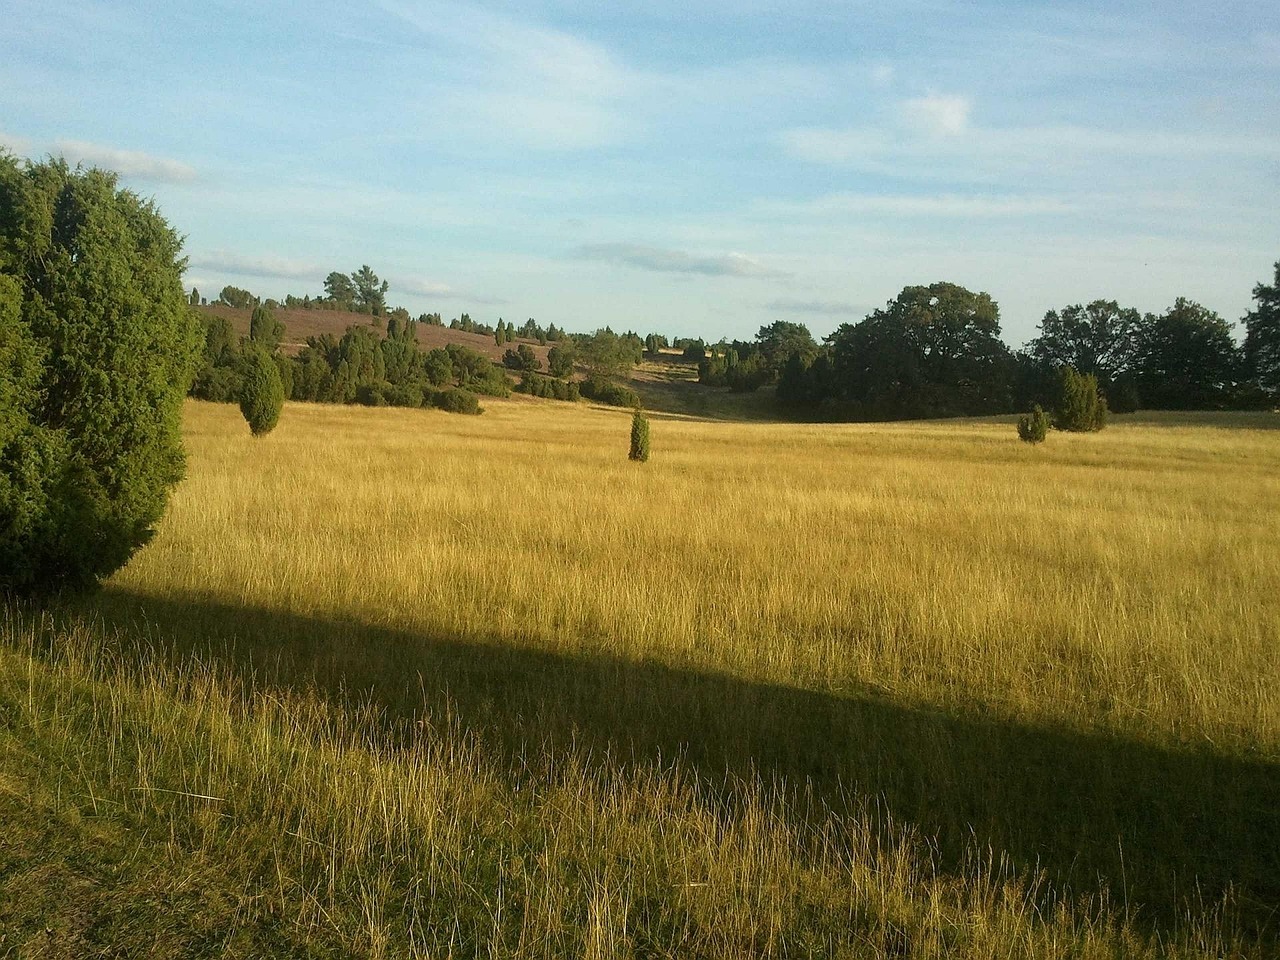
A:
x,y
935,351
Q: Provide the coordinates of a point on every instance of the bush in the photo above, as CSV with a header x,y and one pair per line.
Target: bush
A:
x,y
97,349
456,400
263,393
1033,427
522,358
608,392
218,384
639,437
1081,406
548,387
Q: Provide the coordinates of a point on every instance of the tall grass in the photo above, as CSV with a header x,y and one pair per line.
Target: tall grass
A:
x,y
479,687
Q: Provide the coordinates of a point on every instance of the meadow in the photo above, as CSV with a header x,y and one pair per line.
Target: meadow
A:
x,y
395,682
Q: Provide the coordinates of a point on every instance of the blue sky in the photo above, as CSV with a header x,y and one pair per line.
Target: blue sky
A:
x,y
690,168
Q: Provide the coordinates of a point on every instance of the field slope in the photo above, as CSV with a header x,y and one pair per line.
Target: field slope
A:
x,y
391,682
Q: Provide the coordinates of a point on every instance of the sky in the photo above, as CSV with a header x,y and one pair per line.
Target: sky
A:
x,y
684,168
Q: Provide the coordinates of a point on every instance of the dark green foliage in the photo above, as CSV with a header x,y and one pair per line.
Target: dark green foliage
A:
x,y
1033,427
548,387
639,437
1081,406
264,329
725,369
606,354
521,358
97,348
1262,340
219,384
1122,396
560,359
1187,359
194,299
780,341
236,297
935,351
1101,339
608,392
370,292
340,290
695,350
262,396
476,372
438,367
457,400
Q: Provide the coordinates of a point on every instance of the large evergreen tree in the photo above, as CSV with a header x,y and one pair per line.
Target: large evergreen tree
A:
x,y
96,353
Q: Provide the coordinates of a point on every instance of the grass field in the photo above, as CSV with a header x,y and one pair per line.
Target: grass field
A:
x,y
395,682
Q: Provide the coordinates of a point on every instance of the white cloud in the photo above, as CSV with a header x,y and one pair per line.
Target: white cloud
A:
x,y
258,266
128,163
938,115
19,146
662,260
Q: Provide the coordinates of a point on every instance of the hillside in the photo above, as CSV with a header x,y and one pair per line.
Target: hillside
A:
x,y
300,324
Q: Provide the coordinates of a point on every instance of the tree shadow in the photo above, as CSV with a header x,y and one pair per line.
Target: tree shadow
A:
x,y
1166,831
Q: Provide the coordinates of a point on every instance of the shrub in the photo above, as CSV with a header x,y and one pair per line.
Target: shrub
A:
x,y
560,360
456,400
97,349
1081,406
608,392
548,387
218,384
263,392
521,358
639,437
1033,427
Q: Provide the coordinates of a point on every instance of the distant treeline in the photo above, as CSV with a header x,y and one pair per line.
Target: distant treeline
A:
x,y
366,367
363,291
935,351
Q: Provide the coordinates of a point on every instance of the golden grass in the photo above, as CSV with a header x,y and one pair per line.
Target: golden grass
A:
x,y
1128,579
784,690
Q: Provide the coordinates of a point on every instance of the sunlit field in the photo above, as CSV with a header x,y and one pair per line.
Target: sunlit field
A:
x,y
398,682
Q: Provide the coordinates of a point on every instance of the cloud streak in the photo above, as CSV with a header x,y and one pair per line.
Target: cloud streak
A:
x,y
660,260
440,291
258,266
960,206
826,308
128,163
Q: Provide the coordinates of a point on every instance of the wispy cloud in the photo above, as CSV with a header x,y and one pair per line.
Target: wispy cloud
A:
x,y
439,291
1038,148
828,308
17,145
516,82
662,260
258,266
963,206
938,114
127,163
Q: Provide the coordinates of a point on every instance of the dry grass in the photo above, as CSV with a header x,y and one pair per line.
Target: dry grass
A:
x,y
784,690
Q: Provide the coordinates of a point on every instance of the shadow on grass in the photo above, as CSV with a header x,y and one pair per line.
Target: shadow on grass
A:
x,y
1167,831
